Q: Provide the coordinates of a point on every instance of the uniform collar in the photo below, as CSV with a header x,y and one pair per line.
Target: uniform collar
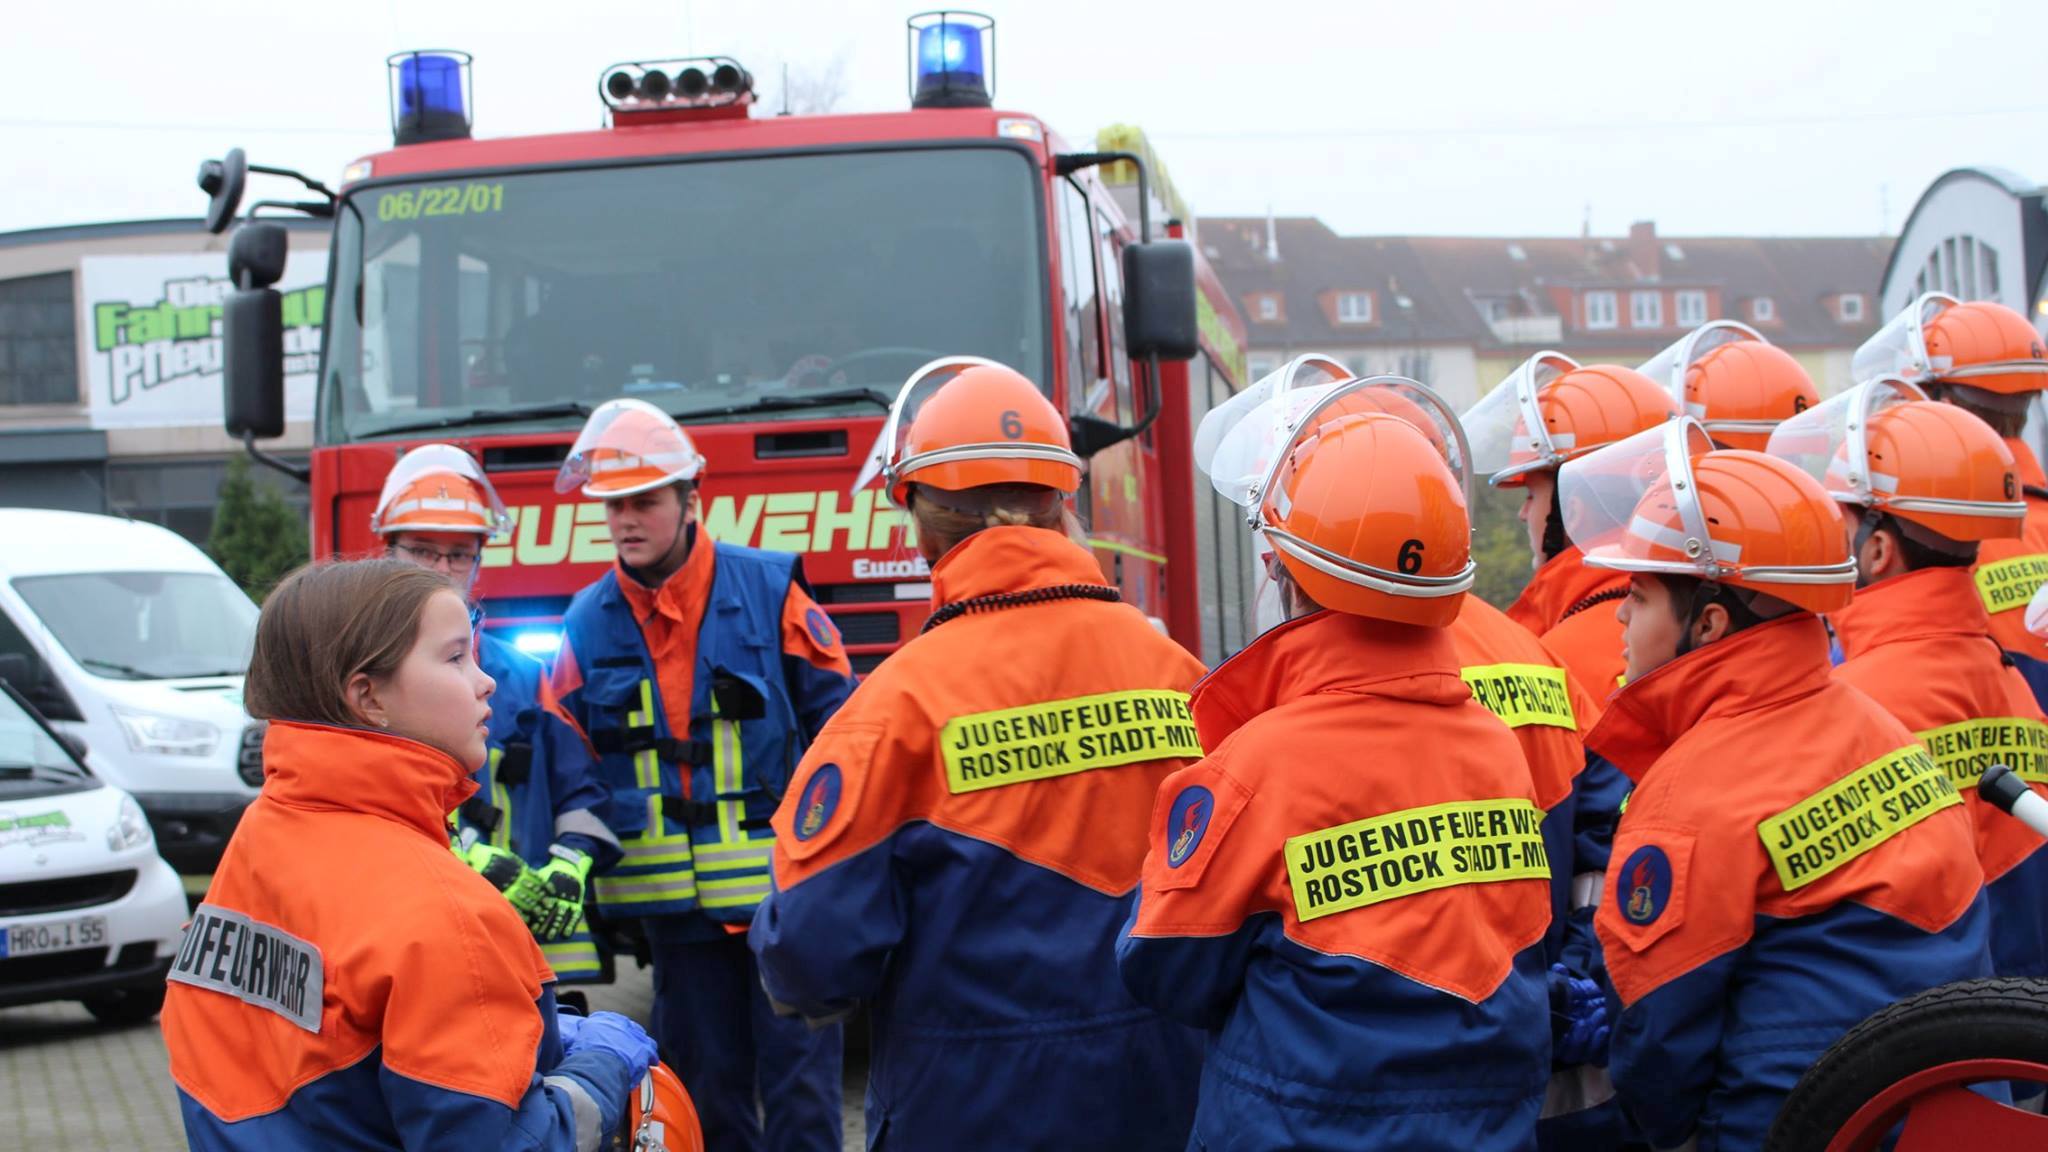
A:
x,y
1769,664
1328,652
2029,468
1562,581
690,583
1933,602
356,770
1012,558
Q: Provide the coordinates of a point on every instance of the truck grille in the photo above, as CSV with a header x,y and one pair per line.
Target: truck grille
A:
x,y
869,627
249,760
35,897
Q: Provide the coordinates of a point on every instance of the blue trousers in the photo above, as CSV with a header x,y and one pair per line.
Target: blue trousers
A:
x,y
761,1082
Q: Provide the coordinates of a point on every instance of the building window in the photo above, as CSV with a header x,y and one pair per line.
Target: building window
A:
x,y
1646,309
1354,308
1269,308
1493,309
1692,309
38,341
1852,308
1763,310
1263,365
1600,310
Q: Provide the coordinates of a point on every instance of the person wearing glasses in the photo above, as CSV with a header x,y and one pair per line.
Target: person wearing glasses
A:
x,y
533,828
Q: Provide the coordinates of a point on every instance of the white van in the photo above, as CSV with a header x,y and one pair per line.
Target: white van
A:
x,y
126,636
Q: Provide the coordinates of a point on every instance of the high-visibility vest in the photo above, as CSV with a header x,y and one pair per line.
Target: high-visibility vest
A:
x,y
705,844
514,807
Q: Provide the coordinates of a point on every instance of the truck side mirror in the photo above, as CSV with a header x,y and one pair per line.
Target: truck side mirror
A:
x,y
223,180
1159,300
252,333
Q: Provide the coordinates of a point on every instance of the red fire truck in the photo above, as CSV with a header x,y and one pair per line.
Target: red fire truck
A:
x,y
770,280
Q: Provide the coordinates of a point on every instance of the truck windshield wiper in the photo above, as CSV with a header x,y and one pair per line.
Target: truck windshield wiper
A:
x,y
490,416
874,396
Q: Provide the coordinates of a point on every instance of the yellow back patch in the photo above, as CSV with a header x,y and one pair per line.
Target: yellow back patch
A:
x,y
1522,694
1854,815
2009,584
1963,751
1062,737
1414,850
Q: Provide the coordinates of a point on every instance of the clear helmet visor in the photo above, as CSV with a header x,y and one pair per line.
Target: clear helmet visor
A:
x,y
629,446
1668,368
1900,347
887,451
1303,371
1829,440
1242,464
1601,492
2037,613
1505,429
411,501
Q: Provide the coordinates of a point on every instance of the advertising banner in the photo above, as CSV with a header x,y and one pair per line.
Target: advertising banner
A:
x,y
151,330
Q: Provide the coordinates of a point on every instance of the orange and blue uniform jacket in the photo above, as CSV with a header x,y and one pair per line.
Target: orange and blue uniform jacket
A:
x,y
1790,862
349,983
1572,607
2009,572
959,850
538,787
1920,644
699,697
1543,704
1349,894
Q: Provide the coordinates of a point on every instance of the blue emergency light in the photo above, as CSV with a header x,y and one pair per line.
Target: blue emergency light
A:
x,y
537,642
951,54
429,95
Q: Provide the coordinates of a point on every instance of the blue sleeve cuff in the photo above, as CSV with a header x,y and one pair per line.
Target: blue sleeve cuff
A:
x,y
603,1076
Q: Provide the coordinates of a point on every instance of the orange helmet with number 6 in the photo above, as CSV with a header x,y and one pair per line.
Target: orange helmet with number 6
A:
x,y
965,422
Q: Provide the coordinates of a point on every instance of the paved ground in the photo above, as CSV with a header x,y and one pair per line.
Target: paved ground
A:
x,y
66,1082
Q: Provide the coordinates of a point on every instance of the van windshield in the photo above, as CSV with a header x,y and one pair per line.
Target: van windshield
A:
x,y
31,762
146,625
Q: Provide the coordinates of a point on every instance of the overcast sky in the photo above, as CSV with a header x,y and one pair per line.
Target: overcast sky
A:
x,y
1472,117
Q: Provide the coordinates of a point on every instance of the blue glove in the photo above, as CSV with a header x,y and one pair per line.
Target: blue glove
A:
x,y
1578,1019
614,1034
567,1025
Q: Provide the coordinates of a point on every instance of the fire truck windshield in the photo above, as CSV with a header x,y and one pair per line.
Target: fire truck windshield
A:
x,y
770,283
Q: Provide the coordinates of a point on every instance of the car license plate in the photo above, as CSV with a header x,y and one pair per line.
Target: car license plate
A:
x,y
53,936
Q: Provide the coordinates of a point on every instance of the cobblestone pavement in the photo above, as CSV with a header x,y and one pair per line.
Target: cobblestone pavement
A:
x,y
66,1082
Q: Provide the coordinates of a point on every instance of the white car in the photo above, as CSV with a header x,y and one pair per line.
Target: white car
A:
x,y
126,636
88,910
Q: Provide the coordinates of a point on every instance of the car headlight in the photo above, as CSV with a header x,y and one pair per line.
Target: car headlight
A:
x,y
129,829
167,735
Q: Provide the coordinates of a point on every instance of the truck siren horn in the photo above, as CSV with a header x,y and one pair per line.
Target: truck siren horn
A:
x,y
676,85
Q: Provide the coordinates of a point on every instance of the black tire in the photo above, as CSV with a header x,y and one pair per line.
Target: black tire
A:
x,y
1974,1020
128,1007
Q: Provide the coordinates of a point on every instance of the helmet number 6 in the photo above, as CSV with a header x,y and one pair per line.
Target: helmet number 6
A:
x,y
1409,560
1013,426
